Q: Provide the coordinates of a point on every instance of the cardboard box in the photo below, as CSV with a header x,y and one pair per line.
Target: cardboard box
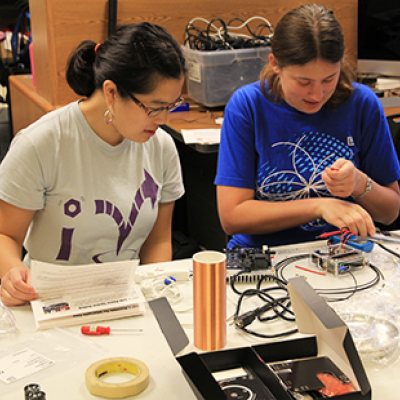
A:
x,y
213,76
329,341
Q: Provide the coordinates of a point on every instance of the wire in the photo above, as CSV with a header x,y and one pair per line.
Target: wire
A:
x,y
246,24
350,291
276,298
346,292
276,306
345,235
227,36
280,266
394,253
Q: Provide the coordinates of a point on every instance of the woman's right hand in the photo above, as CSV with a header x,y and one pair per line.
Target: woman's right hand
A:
x,y
15,288
344,214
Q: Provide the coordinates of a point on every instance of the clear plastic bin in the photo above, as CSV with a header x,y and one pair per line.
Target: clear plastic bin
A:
x,y
213,76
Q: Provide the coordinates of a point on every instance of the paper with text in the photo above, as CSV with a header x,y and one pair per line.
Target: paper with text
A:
x,y
21,364
204,136
84,293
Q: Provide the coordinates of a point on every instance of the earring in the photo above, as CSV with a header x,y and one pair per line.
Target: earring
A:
x,y
108,117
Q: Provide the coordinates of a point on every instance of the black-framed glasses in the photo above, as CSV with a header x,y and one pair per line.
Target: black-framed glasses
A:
x,y
153,112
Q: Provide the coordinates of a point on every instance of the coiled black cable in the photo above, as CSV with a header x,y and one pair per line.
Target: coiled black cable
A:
x,y
280,307
211,38
346,291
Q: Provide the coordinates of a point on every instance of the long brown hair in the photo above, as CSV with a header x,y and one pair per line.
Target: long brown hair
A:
x,y
305,34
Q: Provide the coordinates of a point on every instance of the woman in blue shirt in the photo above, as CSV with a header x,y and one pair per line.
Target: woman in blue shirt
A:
x,y
305,149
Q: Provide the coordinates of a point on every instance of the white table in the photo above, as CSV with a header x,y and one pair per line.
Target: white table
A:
x,y
149,347
166,379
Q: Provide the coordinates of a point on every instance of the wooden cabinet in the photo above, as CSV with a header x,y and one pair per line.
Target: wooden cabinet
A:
x,y
26,104
58,26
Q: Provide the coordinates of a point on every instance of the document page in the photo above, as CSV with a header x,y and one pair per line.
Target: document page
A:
x,y
204,136
104,290
52,279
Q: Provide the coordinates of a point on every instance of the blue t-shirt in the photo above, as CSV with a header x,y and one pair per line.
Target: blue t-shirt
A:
x,y
281,152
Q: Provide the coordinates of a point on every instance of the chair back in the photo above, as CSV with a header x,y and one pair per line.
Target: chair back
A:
x,y
394,125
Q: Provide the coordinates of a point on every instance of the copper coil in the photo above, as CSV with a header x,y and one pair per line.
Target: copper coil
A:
x,y
209,300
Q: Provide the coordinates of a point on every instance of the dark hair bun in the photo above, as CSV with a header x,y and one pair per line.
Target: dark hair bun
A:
x,y
80,73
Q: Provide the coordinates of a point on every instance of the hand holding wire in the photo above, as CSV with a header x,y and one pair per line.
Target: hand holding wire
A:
x,y
345,233
340,178
339,213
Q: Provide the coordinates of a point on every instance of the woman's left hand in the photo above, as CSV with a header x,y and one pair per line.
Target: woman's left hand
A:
x,y
343,179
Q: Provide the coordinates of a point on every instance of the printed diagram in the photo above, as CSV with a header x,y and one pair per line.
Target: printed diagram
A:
x,y
58,307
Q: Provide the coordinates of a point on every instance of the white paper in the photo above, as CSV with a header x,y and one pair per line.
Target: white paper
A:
x,y
204,136
84,293
21,364
49,279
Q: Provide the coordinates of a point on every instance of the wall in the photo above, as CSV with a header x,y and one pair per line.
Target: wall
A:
x,y
58,26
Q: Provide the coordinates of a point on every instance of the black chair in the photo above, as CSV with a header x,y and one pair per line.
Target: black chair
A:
x,y
394,125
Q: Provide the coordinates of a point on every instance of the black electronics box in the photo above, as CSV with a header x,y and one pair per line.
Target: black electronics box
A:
x,y
276,370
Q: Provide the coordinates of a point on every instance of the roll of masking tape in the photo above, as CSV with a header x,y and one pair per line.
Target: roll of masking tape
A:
x,y
117,390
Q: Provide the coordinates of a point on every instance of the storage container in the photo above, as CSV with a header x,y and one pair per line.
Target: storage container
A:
x,y
213,76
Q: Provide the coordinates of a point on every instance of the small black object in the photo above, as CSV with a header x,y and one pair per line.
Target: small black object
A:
x,y
38,396
248,259
31,389
299,375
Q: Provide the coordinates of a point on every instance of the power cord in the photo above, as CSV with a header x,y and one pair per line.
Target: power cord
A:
x,y
275,306
279,306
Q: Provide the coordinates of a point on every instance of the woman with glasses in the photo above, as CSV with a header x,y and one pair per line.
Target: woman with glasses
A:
x,y
305,150
96,181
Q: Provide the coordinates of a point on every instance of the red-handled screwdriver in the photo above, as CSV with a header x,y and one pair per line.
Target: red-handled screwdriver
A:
x,y
104,330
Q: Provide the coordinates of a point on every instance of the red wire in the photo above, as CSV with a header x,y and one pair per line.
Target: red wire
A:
x,y
344,233
329,234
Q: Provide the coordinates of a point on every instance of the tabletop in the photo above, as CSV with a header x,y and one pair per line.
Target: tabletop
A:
x,y
73,353
197,117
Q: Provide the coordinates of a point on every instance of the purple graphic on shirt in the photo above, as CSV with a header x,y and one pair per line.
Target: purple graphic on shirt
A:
x,y
72,208
66,239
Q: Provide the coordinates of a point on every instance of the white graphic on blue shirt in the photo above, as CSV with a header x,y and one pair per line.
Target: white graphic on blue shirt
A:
x,y
72,208
303,160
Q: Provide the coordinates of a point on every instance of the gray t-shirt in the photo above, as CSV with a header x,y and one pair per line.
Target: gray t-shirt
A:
x,y
95,202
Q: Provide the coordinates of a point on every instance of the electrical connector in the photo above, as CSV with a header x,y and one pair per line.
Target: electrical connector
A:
x,y
245,319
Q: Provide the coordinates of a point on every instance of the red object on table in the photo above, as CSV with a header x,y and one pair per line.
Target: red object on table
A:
x,y
103,330
333,386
